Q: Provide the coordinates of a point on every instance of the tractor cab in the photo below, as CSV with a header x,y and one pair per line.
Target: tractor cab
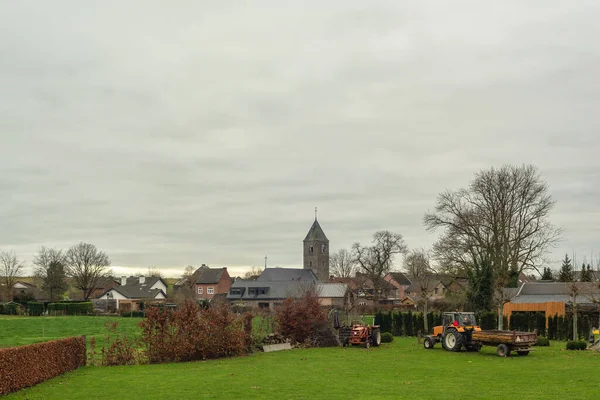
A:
x,y
460,321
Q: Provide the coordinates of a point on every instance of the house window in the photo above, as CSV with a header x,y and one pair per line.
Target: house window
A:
x,y
200,291
236,291
210,290
436,290
262,290
263,305
252,290
310,249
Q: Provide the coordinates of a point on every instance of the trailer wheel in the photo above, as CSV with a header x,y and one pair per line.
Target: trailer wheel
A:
x,y
453,340
428,343
503,350
523,352
376,337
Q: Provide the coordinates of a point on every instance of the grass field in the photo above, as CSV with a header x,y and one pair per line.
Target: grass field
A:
x,y
17,331
402,369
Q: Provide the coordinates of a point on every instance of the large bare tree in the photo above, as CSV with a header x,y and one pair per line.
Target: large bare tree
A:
x,y
342,264
86,265
376,260
253,273
418,268
10,271
502,218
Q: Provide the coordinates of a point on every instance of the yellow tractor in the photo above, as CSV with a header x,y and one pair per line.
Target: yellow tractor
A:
x,y
455,332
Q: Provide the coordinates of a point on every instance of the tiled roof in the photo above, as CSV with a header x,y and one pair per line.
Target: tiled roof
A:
x,y
209,275
315,233
401,278
137,292
332,289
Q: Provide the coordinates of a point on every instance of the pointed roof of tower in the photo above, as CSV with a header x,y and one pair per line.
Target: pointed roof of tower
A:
x,y
315,233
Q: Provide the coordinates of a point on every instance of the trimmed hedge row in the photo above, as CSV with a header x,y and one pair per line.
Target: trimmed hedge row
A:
x,y
71,308
25,366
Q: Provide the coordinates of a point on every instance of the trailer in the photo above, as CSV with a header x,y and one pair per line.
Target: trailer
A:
x,y
506,341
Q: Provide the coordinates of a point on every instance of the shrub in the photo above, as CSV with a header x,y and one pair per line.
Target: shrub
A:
x,y
300,318
26,366
71,308
576,345
120,350
133,314
387,337
35,308
189,333
543,341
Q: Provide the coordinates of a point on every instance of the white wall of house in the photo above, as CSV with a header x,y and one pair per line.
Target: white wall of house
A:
x,y
160,285
160,296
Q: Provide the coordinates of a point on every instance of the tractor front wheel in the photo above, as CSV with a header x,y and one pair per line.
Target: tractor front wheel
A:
x,y
428,343
367,344
453,340
376,337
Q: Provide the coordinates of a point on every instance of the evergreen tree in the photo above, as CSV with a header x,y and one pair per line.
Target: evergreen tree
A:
x,y
55,281
566,270
547,275
586,273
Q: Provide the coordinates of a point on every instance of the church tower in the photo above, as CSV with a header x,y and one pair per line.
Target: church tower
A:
x,y
316,251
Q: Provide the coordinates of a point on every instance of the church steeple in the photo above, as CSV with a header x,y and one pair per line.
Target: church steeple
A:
x,y
316,251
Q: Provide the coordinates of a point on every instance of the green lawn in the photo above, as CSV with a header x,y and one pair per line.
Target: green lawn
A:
x,y
17,331
402,369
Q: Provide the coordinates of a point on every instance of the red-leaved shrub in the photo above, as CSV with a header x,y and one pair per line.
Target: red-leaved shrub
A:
x,y
120,349
25,366
190,333
301,318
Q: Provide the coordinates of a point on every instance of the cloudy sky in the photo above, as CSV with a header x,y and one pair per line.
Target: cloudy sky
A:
x,y
193,133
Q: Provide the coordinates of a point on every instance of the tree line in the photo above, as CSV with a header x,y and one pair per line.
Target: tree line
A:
x,y
83,263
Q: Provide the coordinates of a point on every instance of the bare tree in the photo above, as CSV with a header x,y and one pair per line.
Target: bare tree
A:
x,y
376,260
154,272
342,264
86,265
502,218
253,273
419,270
10,271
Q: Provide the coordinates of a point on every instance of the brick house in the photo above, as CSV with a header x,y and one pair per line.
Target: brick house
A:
x,y
211,281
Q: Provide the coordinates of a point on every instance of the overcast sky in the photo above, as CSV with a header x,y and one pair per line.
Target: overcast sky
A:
x,y
193,133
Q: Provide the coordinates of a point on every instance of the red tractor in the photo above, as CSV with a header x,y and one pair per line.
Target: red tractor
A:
x,y
364,335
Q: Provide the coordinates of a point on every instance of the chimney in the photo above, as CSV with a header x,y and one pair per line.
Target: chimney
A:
x,y
142,280
123,280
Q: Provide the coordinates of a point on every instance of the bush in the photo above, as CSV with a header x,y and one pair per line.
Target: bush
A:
x,y
300,318
71,308
120,350
29,365
190,333
133,314
387,337
543,341
576,345
35,308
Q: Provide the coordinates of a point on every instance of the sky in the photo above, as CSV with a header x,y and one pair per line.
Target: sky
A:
x,y
207,132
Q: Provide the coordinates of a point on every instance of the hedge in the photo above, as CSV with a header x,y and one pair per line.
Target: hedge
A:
x,y
70,308
25,366
11,309
35,308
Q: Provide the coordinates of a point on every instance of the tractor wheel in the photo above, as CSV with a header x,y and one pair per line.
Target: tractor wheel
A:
x,y
522,352
346,343
367,344
453,340
428,343
376,337
502,350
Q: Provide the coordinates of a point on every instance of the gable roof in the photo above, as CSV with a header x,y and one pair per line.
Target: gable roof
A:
x,y
136,292
332,290
287,275
542,292
401,278
209,275
315,233
148,281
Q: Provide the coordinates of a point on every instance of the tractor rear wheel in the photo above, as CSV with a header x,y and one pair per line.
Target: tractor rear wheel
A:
x,y
376,337
453,340
502,350
428,343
